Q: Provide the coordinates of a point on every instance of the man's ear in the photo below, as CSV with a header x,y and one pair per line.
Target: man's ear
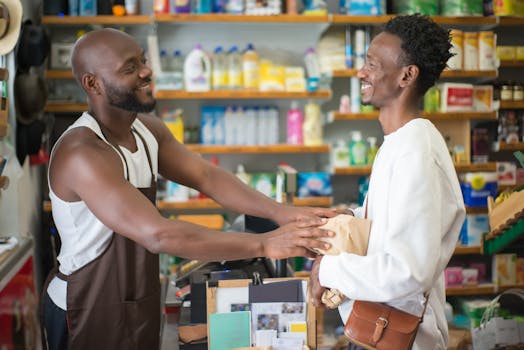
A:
x,y
90,83
409,75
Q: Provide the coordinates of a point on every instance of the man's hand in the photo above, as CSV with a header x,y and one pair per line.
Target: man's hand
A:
x,y
303,216
314,282
294,239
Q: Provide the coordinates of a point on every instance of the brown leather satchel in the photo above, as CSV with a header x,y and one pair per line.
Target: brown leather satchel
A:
x,y
373,325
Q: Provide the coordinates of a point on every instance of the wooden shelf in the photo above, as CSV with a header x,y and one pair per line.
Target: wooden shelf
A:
x,y
511,104
351,19
483,288
514,146
433,115
280,148
240,94
469,74
464,250
65,107
352,72
476,210
460,168
476,167
59,74
353,170
102,19
208,203
510,21
224,17
512,63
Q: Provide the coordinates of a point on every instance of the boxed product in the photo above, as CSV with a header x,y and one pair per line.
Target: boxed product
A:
x,y
265,183
453,276
470,277
506,52
476,187
456,97
314,184
483,98
475,225
504,269
519,52
506,173
482,268
61,55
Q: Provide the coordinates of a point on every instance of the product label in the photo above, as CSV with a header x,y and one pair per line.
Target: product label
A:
x,y
460,97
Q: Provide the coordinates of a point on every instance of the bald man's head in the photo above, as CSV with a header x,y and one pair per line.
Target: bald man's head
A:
x,y
97,49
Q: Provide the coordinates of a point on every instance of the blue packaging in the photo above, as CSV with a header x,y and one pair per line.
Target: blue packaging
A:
x,y
365,7
476,187
314,184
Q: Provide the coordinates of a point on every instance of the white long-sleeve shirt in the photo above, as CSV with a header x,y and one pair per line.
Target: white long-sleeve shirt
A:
x,y
416,208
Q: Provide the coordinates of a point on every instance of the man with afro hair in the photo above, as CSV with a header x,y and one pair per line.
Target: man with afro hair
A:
x,y
414,200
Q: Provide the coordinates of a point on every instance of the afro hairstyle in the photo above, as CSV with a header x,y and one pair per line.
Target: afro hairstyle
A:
x,y
425,44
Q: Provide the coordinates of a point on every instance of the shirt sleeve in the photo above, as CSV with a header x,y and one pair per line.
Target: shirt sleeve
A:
x,y
411,241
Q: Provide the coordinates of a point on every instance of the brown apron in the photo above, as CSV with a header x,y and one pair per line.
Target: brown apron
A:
x,y
114,301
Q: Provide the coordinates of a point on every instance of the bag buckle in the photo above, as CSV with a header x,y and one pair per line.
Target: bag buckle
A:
x,y
381,324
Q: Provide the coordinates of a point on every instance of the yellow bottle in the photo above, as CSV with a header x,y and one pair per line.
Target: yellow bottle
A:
x,y
312,127
251,68
175,123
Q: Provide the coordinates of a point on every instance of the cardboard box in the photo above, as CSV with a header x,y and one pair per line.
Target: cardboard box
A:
x,y
483,98
506,52
477,187
456,97
504,269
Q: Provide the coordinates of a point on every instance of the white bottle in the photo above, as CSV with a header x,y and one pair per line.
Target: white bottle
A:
x,y
273,128
262,126
340,154
197,70
312,69
250,122
242,175
176,66
234,69
219,63
229,123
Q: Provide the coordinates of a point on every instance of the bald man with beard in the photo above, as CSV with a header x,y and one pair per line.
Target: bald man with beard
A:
x,y
102,184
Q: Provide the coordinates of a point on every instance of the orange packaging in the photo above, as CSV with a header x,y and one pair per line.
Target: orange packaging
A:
x,y
471,51
457,42
504,269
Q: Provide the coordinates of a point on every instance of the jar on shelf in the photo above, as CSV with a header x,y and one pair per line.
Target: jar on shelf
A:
x,y
506,92
518,92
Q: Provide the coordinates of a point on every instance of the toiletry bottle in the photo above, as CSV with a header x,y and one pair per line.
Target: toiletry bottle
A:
x,y
250,68
357,149
219,66
295,120
312,128
340,154
242,175
234,69
197,70
372,150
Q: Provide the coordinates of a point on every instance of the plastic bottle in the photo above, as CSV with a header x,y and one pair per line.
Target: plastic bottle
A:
x,y
250,68
219,67
176,66
432,99
175,123
197,70
272,130
201,6
295,120
357,149
182,6
131,7
312,128
312,69
87,8
340,154
372,150
242,175
164,64
234,69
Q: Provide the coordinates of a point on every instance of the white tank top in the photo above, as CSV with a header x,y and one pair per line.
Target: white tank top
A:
x,y
82,235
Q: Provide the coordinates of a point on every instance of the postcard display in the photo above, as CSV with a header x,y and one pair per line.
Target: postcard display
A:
x,y
274,313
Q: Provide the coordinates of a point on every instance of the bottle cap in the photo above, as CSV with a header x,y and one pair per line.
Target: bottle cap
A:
x,y
356,136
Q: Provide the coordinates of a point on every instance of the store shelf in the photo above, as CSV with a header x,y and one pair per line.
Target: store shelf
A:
x,y
484,288
514,146
469,74
65,107
510,21
460,168
511,104
493,245
240,94
476,210
511,63
101,19
465,250
353,170
433,116
352,19
351,72
208,203
280,148
232,18
59,74
476,167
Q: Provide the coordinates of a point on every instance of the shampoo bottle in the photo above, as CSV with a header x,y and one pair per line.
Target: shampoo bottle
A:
x,y
357,149
197,70
372,150
295,120
312,128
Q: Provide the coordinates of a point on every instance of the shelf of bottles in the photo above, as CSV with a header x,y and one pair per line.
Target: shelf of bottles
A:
x,y
465,250
484,288
241,94
352,72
